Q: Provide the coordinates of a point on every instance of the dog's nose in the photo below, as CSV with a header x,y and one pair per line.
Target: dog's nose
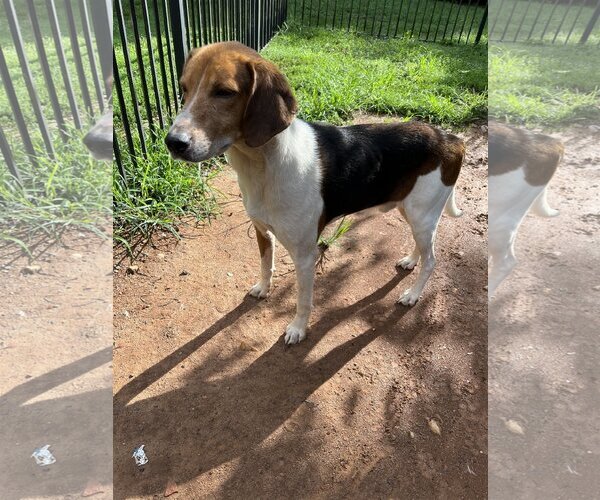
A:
x,y
177,143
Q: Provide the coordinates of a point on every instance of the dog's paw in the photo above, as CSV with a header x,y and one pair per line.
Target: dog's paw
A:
x,y
260,290
293,335
407,262
408,298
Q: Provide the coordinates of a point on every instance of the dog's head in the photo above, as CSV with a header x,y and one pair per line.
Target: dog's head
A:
x,y
230,94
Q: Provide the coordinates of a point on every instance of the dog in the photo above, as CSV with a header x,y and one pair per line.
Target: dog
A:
x,y
295,177
521,164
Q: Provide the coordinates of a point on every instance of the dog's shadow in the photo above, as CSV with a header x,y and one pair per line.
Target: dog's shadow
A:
x,y
211,419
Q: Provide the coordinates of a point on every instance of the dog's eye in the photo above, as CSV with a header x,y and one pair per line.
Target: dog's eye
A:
x,y
224,93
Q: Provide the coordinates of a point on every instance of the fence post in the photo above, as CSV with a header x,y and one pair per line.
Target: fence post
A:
x,y
179,33
481,26
591,24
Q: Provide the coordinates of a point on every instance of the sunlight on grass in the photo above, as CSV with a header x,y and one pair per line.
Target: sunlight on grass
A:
x,y
335,74
551,85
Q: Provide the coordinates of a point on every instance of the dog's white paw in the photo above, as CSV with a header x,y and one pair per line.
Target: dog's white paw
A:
x,y
408,298
260,290
293,334
407,262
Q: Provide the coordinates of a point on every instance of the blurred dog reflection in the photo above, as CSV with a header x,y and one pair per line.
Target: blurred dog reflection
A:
x,y
99,139
521,164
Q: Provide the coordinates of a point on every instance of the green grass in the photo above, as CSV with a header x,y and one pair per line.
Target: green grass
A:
x,y
70,191
548,85
161,194
336,74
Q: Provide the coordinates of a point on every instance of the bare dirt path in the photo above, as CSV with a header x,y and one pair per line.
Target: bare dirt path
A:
x,y
56,371
202,377
543,330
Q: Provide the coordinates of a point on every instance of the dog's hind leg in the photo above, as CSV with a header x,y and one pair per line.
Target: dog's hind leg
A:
x,y
423,208
410,261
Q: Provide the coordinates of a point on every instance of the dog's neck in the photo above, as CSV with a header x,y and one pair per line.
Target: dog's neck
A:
x,y
274,149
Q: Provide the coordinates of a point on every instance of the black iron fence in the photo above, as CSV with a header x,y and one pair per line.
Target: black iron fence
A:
x,y
462,21
53,78
545,21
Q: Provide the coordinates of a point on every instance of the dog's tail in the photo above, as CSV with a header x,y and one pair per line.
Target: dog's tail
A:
x,y
540,206
451,209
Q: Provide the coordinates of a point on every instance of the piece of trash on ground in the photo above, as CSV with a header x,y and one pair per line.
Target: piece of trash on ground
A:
x,y
92,488
514,427
140,456
43,456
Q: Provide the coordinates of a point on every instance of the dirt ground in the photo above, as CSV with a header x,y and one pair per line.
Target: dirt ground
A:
x,y
56,371
543,331
203,380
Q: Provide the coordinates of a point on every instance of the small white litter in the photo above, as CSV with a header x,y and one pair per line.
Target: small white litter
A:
x,y
140,456
43,456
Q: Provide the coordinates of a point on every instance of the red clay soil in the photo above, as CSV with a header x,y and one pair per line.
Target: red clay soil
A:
x,y
56,372
202,377
544,351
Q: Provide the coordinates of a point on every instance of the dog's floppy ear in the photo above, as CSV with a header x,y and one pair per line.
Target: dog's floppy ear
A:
x,y
271,106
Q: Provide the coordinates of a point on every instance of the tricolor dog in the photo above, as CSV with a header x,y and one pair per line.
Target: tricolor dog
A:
x,y
521,165
296,177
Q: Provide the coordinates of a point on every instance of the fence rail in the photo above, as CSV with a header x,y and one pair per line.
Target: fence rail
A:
x,y
53,102
545,21
427,20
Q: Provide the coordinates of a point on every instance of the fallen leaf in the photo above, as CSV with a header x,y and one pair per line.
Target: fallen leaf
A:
x,y
171,488
435,427
31,269
514,427
244,346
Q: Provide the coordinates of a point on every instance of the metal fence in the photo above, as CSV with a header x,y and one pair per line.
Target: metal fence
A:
x,y
155,36
64,81
545,21
461,21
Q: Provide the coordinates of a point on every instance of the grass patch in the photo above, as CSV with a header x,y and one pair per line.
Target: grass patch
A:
x,y
160,195
335,74
71,191
543,85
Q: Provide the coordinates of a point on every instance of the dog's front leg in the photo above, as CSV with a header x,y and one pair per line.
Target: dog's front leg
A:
x,y
304,261
266,246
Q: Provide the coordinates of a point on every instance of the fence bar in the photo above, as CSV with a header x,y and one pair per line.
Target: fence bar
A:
x,y
186,24
85,23
124,116
161,58
8,158
125,48
581,7
119,159
153,75
462,28
77,59
481,26
101,11
549,19
43,58
62,61
27,76
16,109
536,19
172,68
591,24
523,17
562,22
179,35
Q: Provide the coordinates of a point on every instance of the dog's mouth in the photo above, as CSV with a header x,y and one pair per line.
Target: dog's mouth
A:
x,y
196,155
